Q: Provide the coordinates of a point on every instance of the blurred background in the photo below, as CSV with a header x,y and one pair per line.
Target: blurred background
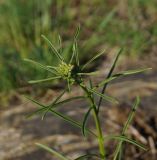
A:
x,y
110,24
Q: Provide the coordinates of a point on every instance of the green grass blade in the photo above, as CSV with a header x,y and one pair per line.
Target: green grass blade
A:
x,y
60,44
84,157
85,121
105,97
92,59
77,32
43,80
53,152
107,19
53,48
39,65
108,76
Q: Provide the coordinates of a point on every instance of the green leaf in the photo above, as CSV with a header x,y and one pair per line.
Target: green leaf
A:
x,y
39,65
75,51
71,121
65,118
92,59
87,156
124,73
75,46
53,103
131,115
130,72
89,74
50,150
60,44
53,48
77,32
128,122
85,121
107,98
44,80
107,19
125,139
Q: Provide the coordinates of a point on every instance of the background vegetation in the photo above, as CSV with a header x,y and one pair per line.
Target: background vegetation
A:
x,y
128,23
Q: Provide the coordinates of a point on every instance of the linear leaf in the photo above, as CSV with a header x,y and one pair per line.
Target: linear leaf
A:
x,y
70,120
124,73
44,108
52,151
44,80
128,122
39,65
75,51
92,59
89,74
85,120
124,138
77,31
130,72
53,103
60,44
66,118
107,98
87,156
53,48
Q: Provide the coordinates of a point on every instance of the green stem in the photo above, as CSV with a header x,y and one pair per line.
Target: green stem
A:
x,y
97,122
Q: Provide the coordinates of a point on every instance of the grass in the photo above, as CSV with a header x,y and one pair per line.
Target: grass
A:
x,y
73,73
130,24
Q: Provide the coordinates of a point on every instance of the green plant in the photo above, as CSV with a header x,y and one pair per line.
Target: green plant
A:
x,y
74,74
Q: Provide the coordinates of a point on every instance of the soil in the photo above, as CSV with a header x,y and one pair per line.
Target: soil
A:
x,y
18,134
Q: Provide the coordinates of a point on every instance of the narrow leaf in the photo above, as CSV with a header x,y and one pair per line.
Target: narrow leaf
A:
x,y
108,77
107,98
92,59
124,138
60,44
128,122
85,120
89,74
43,80
71,121
53,103
75,51
66,118
77,32
130,72
121,74
50,150
53,48
39,65
87,156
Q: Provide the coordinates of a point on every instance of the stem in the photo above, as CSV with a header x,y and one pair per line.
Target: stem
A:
x,y
97,121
